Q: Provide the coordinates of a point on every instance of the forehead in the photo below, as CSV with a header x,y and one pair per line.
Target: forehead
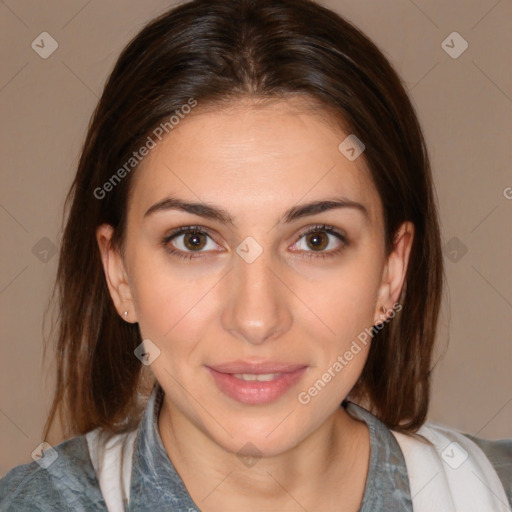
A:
x,y
251,158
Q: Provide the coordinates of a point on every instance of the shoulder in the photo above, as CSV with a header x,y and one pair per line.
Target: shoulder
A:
x,y
63,479
28,487
499,453
456,447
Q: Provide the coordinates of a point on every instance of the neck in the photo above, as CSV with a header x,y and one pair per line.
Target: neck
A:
x,y
335,456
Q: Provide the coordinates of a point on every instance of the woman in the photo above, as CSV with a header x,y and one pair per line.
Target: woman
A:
x,y
253,241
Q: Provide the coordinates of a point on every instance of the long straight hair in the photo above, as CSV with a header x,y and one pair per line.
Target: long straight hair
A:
x,y
216,52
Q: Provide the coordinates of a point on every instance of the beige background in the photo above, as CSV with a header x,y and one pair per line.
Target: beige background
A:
x,y
464,105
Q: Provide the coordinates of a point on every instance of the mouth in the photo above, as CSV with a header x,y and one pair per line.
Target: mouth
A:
x,y
256,383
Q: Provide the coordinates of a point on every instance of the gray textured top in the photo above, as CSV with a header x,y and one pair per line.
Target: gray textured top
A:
x,y
70,483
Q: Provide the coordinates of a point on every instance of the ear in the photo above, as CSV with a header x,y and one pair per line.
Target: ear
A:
x,y
115,274
394,271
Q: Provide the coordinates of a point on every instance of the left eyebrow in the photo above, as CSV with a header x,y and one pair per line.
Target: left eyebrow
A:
x,y
315,207
216,213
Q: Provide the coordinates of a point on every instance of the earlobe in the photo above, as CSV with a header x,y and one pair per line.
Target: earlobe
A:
x,y
115,273
396,269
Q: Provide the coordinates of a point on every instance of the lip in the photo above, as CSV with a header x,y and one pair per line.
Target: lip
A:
x,y
256,392
256,367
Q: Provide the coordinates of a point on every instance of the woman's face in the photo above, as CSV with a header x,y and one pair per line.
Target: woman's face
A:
x,y
251,292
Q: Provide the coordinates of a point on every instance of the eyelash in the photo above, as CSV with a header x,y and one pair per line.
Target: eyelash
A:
x,y
201,231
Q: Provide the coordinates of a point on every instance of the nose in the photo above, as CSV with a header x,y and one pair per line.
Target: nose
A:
x,y
257,302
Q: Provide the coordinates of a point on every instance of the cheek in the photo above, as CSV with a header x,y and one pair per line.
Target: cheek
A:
x,y
343,299
171,303
352,311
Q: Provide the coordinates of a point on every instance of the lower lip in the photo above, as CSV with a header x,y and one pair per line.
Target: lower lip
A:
x,y
256,392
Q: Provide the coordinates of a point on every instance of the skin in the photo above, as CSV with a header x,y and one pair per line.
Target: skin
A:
x,y
255,162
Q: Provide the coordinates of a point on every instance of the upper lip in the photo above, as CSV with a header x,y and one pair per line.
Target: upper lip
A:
x,y
256,368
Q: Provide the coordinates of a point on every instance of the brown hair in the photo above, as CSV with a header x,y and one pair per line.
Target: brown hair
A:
x,y
215,52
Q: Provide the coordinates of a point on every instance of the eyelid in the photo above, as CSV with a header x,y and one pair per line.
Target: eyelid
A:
x,y
186,230
326,228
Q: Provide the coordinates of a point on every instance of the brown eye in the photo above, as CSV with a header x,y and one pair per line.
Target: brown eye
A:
x,y
194,241
317,241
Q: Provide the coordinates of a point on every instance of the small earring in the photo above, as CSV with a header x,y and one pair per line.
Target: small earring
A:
x,y
126,313
383,309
